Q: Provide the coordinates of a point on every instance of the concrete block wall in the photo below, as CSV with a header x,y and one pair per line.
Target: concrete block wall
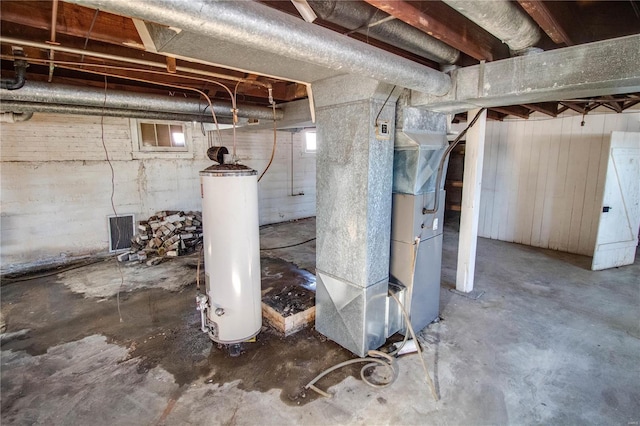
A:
x,y
56,183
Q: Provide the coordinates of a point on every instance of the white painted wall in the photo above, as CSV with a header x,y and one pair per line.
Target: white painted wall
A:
x,y
56,184
543,179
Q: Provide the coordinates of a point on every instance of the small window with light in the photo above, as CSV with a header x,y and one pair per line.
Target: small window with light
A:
x,y
161,136
310,141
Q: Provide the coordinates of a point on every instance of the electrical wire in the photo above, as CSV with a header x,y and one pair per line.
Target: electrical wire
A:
x,y
376,358
289,246
9,281
175,86
383,105
86,40
415,339
438,182
113,191
373,359
67,65
107,56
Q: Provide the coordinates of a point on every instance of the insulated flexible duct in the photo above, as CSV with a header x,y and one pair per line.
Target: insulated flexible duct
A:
x,y
257,26
84,96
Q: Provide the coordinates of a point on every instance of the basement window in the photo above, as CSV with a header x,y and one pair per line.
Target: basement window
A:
x,y
161,136
310,142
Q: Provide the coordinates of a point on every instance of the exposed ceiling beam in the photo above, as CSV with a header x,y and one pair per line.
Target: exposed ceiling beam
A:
x,y
73,20
585,70
629,104
516,110
466,39
615,105
495,115
545,19
580,108
491,115
548,108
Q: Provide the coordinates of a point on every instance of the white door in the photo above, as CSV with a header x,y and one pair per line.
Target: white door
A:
x,y
617,236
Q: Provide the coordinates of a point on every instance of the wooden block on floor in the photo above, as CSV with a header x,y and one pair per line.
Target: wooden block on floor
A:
x,y
291,324
289,308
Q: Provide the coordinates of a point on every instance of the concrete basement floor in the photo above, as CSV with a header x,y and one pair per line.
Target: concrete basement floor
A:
x,y
549,342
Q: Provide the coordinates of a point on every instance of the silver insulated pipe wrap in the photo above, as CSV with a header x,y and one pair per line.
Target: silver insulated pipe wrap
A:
x,y
31,107
74,95
258,26
358,15
502,19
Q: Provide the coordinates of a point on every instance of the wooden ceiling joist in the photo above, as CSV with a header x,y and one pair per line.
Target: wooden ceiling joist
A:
x,y
615,105
495,115
73,20
548,108
545,19
463,37
580,108
629,104
518,111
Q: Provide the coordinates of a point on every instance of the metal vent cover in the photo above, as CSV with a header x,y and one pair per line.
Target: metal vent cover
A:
x,y
121,230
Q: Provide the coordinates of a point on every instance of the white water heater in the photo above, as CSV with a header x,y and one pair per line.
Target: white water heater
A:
x,y
231,310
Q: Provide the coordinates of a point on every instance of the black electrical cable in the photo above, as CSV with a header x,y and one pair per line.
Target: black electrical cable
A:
x,y
291,245
383,105
113,192
8,281
453,144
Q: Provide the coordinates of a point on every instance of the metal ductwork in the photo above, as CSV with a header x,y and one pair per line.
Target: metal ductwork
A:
x,y
83,96
358,15
19,110
15,117
255,26
501,18
17,82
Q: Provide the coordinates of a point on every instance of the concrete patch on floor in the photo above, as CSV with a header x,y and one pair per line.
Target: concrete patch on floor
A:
x,y
88,381
91,381
105,279
162,328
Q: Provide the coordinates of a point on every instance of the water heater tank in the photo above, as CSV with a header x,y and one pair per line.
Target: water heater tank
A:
x,y
231,311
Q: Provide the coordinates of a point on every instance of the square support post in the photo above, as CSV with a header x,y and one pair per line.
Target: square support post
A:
x,y
473,158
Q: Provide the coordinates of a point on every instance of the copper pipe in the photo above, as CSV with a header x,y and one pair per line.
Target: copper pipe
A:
x,y
54,22
107,56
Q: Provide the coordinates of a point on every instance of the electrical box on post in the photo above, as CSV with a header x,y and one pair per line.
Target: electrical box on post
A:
x,y
382,130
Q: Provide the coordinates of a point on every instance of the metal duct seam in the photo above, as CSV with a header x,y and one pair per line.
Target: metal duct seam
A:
x,y
25,108
258,26
501,18
353,15
75,95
